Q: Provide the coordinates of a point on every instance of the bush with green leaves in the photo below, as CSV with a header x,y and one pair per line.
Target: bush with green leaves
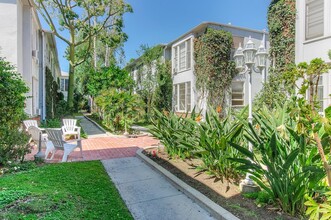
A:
x,y
319,208
118,109
284,163
178,134
213,146
13,142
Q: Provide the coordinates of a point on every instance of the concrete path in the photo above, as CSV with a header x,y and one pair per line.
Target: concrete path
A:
x,y
90,128
148,195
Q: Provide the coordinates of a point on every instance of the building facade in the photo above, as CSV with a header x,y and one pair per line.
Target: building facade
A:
x,y
29,48
185,94
313,39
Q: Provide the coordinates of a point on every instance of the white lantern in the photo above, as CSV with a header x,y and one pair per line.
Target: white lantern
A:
x,y
261,57
249,52
239,59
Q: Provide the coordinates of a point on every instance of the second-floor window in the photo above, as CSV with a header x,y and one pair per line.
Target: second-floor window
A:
x,y
64,85
314,18
182,56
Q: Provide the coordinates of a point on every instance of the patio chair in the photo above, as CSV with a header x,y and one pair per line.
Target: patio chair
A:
x,y
28,123
56,137
69,128
37,136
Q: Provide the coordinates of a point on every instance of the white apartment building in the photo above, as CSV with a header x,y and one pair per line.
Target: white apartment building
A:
x,y
313,39
29,48
185,94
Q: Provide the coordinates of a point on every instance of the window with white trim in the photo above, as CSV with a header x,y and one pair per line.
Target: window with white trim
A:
x,y
64,83
182,97
237,94
175,99
320,93
314,18
182,54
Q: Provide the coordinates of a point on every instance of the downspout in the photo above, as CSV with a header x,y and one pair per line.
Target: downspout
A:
x,y
43,77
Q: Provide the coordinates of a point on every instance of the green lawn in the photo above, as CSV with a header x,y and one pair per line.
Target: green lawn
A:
x,y
80,190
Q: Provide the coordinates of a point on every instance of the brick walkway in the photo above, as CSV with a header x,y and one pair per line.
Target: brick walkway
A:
x,y
102,148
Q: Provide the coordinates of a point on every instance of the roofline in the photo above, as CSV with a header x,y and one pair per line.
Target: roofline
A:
x,y
32,4
206,23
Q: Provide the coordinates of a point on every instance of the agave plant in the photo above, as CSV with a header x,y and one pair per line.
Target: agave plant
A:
x,y
283,163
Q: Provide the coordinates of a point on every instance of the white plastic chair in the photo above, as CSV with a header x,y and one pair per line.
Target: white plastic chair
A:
x,y
28,123
37,136
55,136
69,127
34,123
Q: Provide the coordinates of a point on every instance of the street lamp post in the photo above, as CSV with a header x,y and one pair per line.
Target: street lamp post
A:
x,y
247,60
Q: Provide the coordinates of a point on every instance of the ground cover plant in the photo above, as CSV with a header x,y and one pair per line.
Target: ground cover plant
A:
x,y
79,190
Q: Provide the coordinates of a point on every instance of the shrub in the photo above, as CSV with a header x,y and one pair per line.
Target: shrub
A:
x,y
177,134
320,209
118,109
13,142
283,163
213,145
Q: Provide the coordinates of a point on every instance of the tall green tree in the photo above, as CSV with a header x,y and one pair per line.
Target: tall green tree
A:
x,y
88,17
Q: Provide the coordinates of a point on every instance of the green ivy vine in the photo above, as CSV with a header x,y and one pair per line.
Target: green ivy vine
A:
x,y
214,69
281,25
55,105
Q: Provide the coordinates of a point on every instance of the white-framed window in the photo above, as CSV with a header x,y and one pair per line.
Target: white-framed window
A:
x,y
237,94
182,97
319,95
175,97
182,54
64,84
314,18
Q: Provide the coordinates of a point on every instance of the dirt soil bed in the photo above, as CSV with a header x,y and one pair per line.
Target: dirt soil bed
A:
x,y
226,195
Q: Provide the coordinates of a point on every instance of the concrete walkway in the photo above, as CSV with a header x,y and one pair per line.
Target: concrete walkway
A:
x,y
148,195
90,128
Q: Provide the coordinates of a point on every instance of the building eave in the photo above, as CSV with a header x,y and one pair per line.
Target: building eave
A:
x,y
201,27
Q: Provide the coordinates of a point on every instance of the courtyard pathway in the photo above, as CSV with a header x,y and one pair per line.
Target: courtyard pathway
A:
x,y
90,128
149,195
100,146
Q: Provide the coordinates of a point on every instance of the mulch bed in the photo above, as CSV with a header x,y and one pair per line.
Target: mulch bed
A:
x,y
225,194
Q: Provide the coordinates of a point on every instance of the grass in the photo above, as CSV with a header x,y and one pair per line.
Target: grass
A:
x,y
80,190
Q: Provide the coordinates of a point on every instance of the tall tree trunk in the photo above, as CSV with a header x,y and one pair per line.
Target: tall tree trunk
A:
x,y
71,76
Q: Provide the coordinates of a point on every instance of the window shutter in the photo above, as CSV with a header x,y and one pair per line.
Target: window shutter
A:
x,y
314,18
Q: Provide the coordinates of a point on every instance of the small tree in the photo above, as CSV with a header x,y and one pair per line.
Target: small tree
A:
x,y
310,121
12,89
90,18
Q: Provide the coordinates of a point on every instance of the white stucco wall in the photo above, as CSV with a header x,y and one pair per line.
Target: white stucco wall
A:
x,y
9,30
306,50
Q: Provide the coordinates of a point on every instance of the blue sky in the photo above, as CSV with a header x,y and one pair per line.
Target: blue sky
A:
x,y
161,21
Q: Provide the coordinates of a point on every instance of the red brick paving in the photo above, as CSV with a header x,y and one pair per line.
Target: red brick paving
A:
x,y
102,148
